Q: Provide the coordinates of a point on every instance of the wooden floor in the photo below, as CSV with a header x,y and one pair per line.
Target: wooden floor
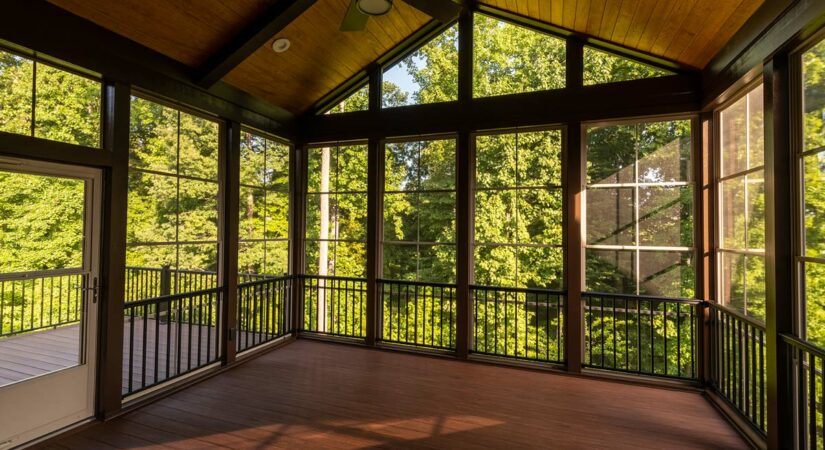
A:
x,y
330,396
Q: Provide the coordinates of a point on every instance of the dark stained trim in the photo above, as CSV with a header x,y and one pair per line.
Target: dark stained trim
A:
x,y
375,208
297,229
263,28
117,105
775,25
42,27
574,163
22,146
230,156
705,200
653,96
779,250
465,169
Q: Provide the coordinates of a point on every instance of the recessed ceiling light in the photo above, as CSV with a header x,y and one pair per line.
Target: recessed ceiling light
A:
x,y
374,7
281,45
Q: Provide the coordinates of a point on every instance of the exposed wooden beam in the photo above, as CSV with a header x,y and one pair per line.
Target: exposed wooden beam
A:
x,y
654,96
251,38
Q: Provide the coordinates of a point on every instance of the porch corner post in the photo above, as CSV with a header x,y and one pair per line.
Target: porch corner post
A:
x,y
465,165
230,151
574,164
375,183
779,250
704,237
116,112
297,227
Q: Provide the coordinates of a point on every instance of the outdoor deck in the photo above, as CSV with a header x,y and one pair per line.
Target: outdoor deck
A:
x,y
320,395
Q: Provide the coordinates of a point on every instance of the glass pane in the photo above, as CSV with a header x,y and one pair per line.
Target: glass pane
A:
x,y
611,152
666,274
742,134
664,152
756,128
401,217
814,166
603,67
348,218
401,166
813,96
197,268
499,67
349,260
400,261
253,160
277,258
312,257
666,216
153,136
321,171
495,217
755,183
251,212
149,271
540,267
437,164
152,208
198,220
16,85
540,216
732,213
610,271
539,158
67,107
277,215
357,101
427,75
495,265
496,160
277,166
610,216
436,217
318,209
198,147
351,168
251,259
815,303
436,263
41,222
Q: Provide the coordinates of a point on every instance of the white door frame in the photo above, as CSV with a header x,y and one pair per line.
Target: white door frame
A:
x,y
37,406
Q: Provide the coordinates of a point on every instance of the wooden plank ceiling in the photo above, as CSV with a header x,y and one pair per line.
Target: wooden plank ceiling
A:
x,y
689,32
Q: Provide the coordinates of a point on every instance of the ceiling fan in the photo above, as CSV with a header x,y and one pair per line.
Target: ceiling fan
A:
x,y
360,10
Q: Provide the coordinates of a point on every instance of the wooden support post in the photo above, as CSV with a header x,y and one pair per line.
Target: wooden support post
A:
x,y
465,166
375,183
229,156
779,245
574,164
297,227
113,259
703,144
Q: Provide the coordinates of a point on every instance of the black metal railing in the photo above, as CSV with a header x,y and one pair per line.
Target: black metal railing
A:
x,y
518,323
640,334
264,311
737,362
169,336
807,365
418,313
151,282
34,301
334,305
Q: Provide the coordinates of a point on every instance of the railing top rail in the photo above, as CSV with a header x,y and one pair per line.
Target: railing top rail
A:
x,y
263,281
417,283
738,315
691,301
156,269
14,276
329,277
807,346
518,289
173,297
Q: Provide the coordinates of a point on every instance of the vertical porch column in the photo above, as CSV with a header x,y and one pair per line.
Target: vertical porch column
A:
x,y
375,213
703,145
113,239
297,227
229,156
779,249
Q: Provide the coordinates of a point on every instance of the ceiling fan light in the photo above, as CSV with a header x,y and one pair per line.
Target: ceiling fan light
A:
x,y
374,7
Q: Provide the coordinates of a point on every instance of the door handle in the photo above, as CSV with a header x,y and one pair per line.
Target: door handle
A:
x,y
93,290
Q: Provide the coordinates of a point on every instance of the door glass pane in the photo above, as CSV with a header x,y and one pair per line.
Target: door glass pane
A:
x,y
41,274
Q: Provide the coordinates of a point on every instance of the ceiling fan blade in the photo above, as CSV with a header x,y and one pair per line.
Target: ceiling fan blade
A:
x,y
354,20
442,10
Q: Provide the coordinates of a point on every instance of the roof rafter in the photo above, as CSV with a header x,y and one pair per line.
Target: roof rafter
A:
x,y
250,39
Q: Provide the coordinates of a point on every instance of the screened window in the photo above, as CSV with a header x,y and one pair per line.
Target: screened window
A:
x,y
336,208
40,100
172,222
603,67
741,214
518,210
428,75
639,209
509,58
357,101
419,211
813,178
264,206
